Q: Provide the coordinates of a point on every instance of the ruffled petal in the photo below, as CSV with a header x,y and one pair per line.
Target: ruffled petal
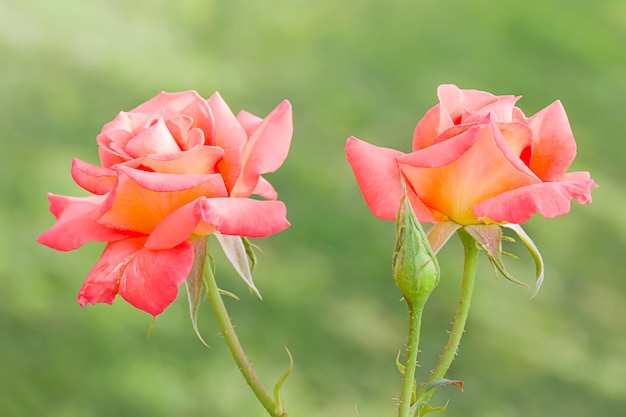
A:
x,y
427,129
452,176
141,199
116,134
186,136
147,279
265,189
245,216
102,282
554,147
249,121
230,136
456,103
377,173
199,160
501,111
551,199
180,102
164,182
93,178
519,138
423,213
177,227
76,223
151,280
229,216
177,109
156,139
265,150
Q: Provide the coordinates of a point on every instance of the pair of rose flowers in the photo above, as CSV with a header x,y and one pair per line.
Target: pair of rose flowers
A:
x,y
179,166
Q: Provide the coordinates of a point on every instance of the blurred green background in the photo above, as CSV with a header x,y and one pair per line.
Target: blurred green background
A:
x,y
365,68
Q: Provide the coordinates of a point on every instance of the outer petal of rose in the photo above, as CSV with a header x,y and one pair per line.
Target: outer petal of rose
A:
x,y
229,216
265,150
444,152
452,176
551,199
177,102
427,129
377,173
156,139
249,121
230,136
265,189
76,223
518,136
93,178
151,281
422,212
196,161
102,282
245,216
147,279
554,147
141,199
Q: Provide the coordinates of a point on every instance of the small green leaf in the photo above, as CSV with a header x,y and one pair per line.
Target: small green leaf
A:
x,y
228,293
400,366
278,403
235,250
534,251
427,409
440,382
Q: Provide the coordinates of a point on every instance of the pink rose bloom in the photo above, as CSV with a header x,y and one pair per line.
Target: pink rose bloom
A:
x,y
175,166
477,159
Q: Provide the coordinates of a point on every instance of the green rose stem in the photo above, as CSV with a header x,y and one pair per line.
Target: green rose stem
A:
x,y
228,332
416,273
458,327
408,380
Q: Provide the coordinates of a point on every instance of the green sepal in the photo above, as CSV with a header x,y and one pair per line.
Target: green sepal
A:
x,y
237,252
196,284
228,294
534,251
250,248
489,238
440,233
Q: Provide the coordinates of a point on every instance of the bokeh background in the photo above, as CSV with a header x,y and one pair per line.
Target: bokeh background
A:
x,y
354,67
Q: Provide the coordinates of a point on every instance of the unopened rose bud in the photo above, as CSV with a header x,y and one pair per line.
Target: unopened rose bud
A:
x,y
415,267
